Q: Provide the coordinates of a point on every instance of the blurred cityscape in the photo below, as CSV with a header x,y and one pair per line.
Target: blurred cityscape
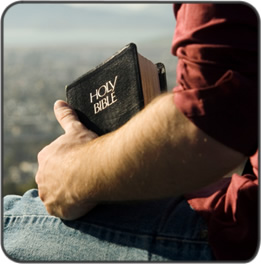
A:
x,y
34,78
48,45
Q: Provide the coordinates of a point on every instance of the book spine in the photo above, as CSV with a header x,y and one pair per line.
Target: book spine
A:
x,y
162,77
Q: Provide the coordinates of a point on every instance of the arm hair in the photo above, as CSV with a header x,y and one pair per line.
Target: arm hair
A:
x,y
158,153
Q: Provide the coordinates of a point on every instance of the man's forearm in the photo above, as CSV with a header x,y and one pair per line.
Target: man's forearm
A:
x,y
158,153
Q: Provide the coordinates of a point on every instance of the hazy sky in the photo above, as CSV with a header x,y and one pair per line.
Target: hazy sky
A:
x,y
64,24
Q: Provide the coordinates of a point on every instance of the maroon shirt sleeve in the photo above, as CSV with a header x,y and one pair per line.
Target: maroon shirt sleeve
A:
x,y
217,48
230,208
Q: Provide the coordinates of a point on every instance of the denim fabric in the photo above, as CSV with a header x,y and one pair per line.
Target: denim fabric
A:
x,y
164,230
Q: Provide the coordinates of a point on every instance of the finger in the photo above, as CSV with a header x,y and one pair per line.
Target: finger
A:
x,y
66,116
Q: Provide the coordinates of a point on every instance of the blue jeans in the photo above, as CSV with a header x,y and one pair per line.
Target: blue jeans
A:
x,y
164,230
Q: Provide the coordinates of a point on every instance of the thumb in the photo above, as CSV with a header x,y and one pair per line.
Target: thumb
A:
x,y
65,115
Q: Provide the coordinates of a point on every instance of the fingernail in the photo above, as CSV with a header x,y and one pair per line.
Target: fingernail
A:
x,y
60,103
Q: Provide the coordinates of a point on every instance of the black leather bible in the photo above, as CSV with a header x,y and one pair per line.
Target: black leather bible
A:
x,y
107,96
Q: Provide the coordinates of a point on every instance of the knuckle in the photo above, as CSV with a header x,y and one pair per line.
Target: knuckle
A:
x,y
37,178
57,211
92,135
64,213
76,126
39,156
50,210
42,154
65,113
41,196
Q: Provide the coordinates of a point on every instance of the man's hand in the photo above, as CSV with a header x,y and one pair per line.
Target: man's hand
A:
x,y
158,153
58,188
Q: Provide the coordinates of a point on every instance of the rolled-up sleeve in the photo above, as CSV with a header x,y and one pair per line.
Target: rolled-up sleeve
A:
x,y
217,83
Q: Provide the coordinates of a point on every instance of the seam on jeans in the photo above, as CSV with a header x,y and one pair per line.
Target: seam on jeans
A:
x,y
30,215
115,230
82,223
164,218
151,236
122,231
181,239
